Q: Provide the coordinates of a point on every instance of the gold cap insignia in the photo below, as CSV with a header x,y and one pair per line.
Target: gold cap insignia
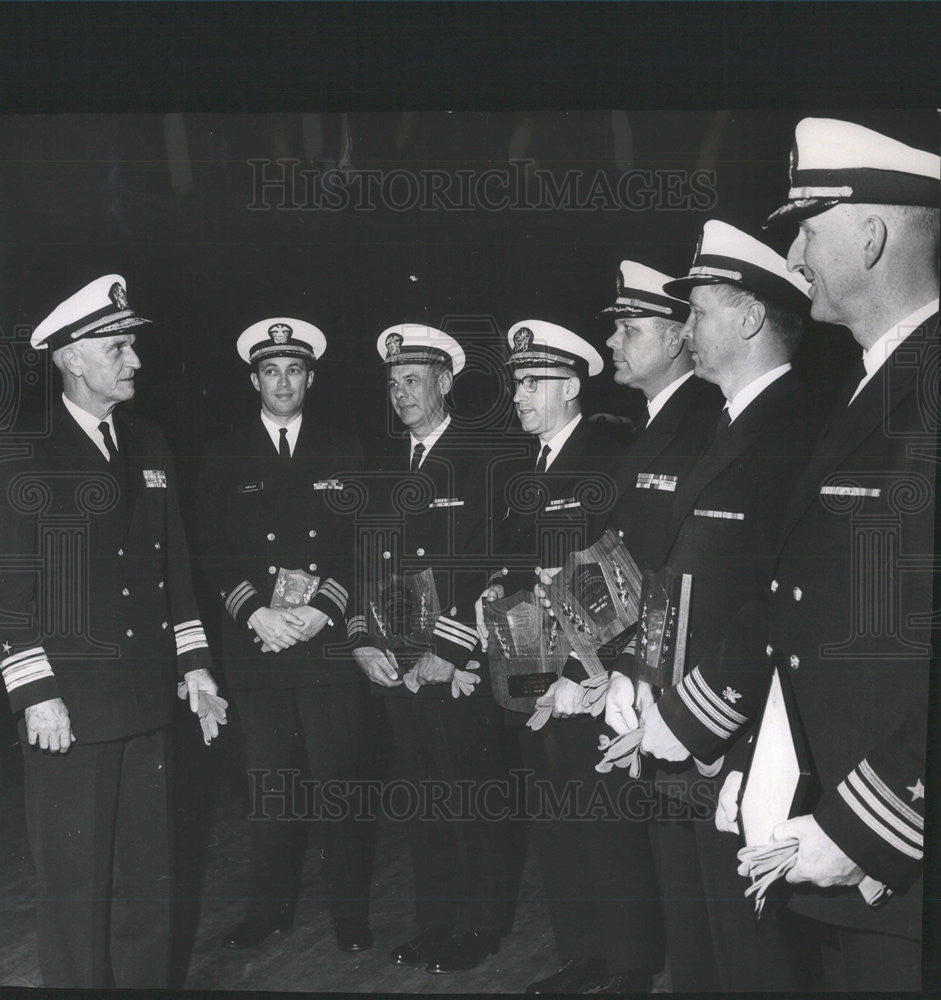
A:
x,y
118,295
523,339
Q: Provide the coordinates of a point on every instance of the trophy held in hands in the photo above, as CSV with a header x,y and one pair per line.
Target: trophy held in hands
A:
x,y
662,627
527,650
596,598
293,588
401,615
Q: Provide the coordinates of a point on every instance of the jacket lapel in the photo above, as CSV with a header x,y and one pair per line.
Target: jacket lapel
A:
x,y
728,446
849,425
130,447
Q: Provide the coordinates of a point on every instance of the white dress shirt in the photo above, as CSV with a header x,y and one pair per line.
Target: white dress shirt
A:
x,y
274,431
558,439
737,404
428,441
882,349
655,405
89,424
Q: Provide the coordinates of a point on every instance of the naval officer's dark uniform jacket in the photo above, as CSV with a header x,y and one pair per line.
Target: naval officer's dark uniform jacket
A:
x,y
600,877
304,707
433,518
99,611
539,517
845,615
722,528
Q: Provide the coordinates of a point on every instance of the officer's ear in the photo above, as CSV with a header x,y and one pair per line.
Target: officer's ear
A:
x,y
571,387
255,381
874,239
445,381
310,377
674,341
70,360
753,319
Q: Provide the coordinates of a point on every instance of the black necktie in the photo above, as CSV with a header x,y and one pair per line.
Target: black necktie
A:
x,y
416,457
856,375
284,449
113,457
541,461
723,424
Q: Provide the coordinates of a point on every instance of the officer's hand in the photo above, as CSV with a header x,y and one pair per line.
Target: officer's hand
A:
x,y
314,620
819,860
658,739
277,628
619,711
545,579
493,593
196,681
381,668
567,698
432,669
49,726
727,806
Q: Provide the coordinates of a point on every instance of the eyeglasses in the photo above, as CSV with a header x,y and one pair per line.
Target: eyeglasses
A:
x,y
528,383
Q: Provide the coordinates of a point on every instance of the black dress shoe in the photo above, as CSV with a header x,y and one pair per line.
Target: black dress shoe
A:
x,y
462,952
250,932
421,949
580,975
353,935
625,982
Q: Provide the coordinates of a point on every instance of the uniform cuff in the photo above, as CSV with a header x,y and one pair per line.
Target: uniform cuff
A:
x,y
331,599
702,719
189,636
28,678
242,602
870,823
574,670
356,629
454,641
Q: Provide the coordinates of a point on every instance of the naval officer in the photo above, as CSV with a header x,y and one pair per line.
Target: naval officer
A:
x,y
112,626
845,613
446,726
746,321
614,940
279,554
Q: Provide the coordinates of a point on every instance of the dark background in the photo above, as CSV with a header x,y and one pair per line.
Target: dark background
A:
x,y
86,189
172,203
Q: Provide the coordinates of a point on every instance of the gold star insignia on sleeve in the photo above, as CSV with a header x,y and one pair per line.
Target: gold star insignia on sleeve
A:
x,y
917,790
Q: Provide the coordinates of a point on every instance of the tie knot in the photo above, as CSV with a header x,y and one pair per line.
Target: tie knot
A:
x,y
284,449
417,453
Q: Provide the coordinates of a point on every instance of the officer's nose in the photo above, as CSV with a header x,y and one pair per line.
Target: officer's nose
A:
x,y
132,360
795,255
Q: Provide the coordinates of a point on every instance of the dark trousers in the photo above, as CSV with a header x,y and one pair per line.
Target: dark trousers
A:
x,y
859,961
699,880
293,739
449,763
597,865
98,825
